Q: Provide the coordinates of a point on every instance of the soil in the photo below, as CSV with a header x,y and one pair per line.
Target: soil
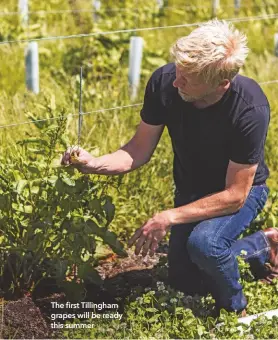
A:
x,y
29,317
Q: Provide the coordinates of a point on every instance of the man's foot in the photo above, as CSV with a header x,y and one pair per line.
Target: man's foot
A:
x,y
271,267
242,314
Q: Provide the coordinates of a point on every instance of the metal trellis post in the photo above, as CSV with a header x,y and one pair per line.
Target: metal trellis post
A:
x,y
96,7
32,67
135,59
276,44
160,3
80,113
215,7
23,9
237,6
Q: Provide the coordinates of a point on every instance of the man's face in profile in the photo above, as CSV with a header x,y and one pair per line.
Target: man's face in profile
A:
x,y
190,87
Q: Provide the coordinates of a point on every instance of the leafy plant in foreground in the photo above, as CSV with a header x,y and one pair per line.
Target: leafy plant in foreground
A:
x,y
50,216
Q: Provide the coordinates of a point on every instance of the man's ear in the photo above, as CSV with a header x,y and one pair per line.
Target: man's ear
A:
x,y
223,85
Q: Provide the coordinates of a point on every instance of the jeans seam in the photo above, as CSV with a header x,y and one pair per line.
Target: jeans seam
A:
x,y
216,235
214,240
265,238
267,243
257,253
264,195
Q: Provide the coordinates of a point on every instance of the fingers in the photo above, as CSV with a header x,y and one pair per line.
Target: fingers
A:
x,y
146,246
144,243
153,247
139,244
141,239
66,158
135,237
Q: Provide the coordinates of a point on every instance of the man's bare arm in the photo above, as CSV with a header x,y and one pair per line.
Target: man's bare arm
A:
x,y
131,156
239,180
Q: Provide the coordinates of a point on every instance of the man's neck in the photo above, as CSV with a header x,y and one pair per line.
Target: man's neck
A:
x,y
209,100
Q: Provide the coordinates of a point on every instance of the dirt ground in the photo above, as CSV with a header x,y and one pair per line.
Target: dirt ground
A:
x,y
29,317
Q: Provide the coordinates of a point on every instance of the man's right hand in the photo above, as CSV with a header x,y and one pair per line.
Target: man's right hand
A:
x,y
80,159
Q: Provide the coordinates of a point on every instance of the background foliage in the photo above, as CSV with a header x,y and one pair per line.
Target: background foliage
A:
x,y
33,190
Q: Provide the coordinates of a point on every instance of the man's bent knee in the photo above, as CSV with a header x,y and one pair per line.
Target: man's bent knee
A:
x,y
199,248
207,252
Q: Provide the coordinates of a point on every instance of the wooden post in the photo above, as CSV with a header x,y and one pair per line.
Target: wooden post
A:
x,y
32,67
135,59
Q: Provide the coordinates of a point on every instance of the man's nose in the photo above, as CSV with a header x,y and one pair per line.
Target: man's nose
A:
x,y
175,83
178,82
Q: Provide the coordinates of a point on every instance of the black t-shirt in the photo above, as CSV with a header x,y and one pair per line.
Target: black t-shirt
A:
x,y
204,140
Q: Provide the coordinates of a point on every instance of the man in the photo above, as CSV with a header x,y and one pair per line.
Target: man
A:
x,y
217,121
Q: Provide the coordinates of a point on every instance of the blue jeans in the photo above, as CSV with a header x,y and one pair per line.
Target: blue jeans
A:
x,y
202,255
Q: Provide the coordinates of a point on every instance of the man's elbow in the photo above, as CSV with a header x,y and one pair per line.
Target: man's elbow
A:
x,y
139,161
143,161
237,201
239,204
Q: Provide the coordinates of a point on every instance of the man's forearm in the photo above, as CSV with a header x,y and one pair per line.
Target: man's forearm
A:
x,y
217,204
118,162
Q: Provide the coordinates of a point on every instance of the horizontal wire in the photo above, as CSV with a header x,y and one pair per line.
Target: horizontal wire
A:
x,y
242,19
70,115
117,9
223,6
100,110
64,11
269,82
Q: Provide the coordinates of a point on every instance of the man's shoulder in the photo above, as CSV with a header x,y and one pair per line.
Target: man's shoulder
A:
x,y
164,76
248,103
167,69
248,91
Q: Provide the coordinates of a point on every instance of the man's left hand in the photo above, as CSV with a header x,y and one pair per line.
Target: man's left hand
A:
x,y
151,233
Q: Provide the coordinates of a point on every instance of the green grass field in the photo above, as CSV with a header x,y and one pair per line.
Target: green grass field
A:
x,y
149,189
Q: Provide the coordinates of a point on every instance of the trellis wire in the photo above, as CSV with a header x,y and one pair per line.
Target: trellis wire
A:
x,y
132,30
117,9
100,110
71,115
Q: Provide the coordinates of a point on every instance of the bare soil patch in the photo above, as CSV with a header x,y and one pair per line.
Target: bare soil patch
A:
x,y
29,317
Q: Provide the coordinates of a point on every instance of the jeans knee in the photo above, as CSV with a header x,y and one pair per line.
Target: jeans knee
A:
x,y
200,249
207,252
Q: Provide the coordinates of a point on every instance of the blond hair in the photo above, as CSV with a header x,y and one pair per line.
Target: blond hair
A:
x,y
214,51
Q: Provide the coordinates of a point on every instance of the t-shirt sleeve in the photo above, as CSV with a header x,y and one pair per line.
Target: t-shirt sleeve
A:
x,y
249,134
153,111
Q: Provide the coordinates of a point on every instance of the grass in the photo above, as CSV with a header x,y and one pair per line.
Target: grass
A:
x,y
105,61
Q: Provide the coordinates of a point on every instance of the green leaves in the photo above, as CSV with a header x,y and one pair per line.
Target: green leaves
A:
x,y
108,237
20,185
87,273
69,181
95,205
54,212
109,209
